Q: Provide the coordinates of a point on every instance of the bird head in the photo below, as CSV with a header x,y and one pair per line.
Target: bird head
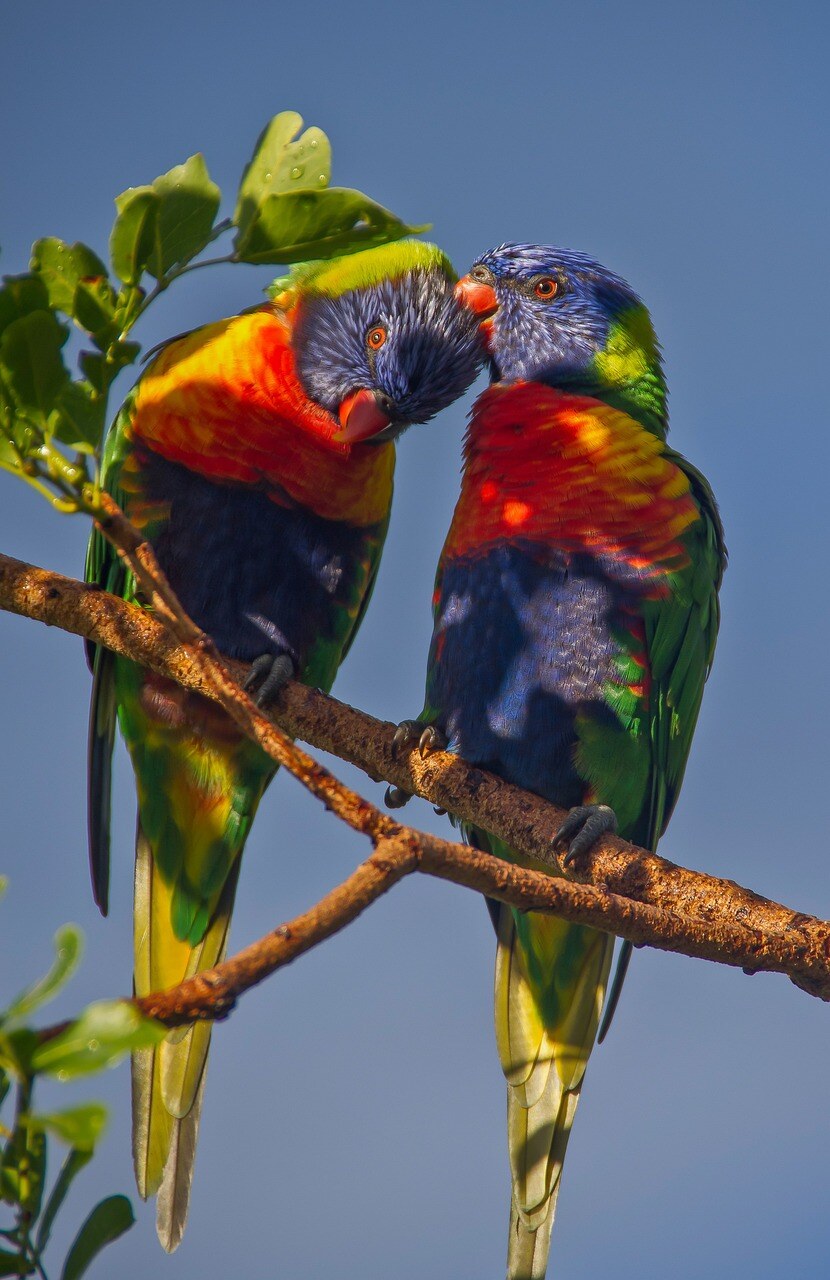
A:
x,y
380,340
559,317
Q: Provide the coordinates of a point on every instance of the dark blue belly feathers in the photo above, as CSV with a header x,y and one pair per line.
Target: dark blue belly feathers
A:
x,y
257,576
523,644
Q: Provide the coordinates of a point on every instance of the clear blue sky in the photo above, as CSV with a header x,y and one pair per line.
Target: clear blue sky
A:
x,y
354,1117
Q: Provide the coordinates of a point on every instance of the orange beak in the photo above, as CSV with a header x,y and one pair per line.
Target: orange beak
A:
x,y
477,297
361,417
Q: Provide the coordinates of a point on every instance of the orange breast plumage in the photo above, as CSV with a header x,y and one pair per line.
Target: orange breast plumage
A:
x,y
226,402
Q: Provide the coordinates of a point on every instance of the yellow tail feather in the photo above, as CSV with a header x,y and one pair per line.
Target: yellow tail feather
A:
x,y
168,1081
174,1192
549,989
527,1251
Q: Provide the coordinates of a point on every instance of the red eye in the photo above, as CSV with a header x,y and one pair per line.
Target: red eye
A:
x,y
546,288
376,337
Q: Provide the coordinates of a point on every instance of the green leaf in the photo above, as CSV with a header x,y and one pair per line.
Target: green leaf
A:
x,y
280,165
103,1034
134,232
21,295
80,417
108,1220
5,1085
189,203
9,1179
71,1167
79,1127
31,362
69,942
63,267
11,1264
16,1049
94,307
4,884
318,224
8,453
101,370
33,1172
22,1168
166,224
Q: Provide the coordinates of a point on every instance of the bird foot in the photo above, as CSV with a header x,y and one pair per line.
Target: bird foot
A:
x,y
270,671
396,797
409,733
428,737
580,831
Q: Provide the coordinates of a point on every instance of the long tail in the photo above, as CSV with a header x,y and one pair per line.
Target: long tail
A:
x,y
549,989
199,784
168,1081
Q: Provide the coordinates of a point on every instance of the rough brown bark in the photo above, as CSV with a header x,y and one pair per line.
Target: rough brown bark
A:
x,y
625,890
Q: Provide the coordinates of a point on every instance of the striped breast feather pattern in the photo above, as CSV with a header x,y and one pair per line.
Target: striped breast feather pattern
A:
x,y
570,471
226,402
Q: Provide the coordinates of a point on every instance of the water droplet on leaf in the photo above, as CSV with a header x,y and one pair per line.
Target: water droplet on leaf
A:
x,y
297,171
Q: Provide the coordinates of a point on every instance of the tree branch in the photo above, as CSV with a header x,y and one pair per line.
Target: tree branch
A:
x,y
624,890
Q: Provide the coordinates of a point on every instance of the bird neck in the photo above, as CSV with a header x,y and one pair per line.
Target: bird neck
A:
x,y
628,372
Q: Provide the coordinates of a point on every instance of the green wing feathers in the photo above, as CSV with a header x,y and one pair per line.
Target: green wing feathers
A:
x,y
680,633
104,569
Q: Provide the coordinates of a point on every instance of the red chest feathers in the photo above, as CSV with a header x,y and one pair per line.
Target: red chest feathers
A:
x,y
573,473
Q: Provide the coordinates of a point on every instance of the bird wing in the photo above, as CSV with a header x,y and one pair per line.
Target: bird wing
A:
x,y
105,569
680,635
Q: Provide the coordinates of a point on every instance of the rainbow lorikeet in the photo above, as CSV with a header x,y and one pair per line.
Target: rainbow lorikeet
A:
x,y
576,612
256,456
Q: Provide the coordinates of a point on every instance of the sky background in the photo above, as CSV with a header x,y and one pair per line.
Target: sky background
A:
x,y
354,1117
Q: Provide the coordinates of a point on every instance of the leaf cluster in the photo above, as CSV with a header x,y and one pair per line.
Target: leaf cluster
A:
x,y
100,1037
52,419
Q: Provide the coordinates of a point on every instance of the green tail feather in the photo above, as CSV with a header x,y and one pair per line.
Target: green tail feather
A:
x,y
102,718
168,1081
549,987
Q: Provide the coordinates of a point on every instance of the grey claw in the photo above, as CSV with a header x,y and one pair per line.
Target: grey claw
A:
x,y
259,666
406,733
396,797
273,670
431,739
584,825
